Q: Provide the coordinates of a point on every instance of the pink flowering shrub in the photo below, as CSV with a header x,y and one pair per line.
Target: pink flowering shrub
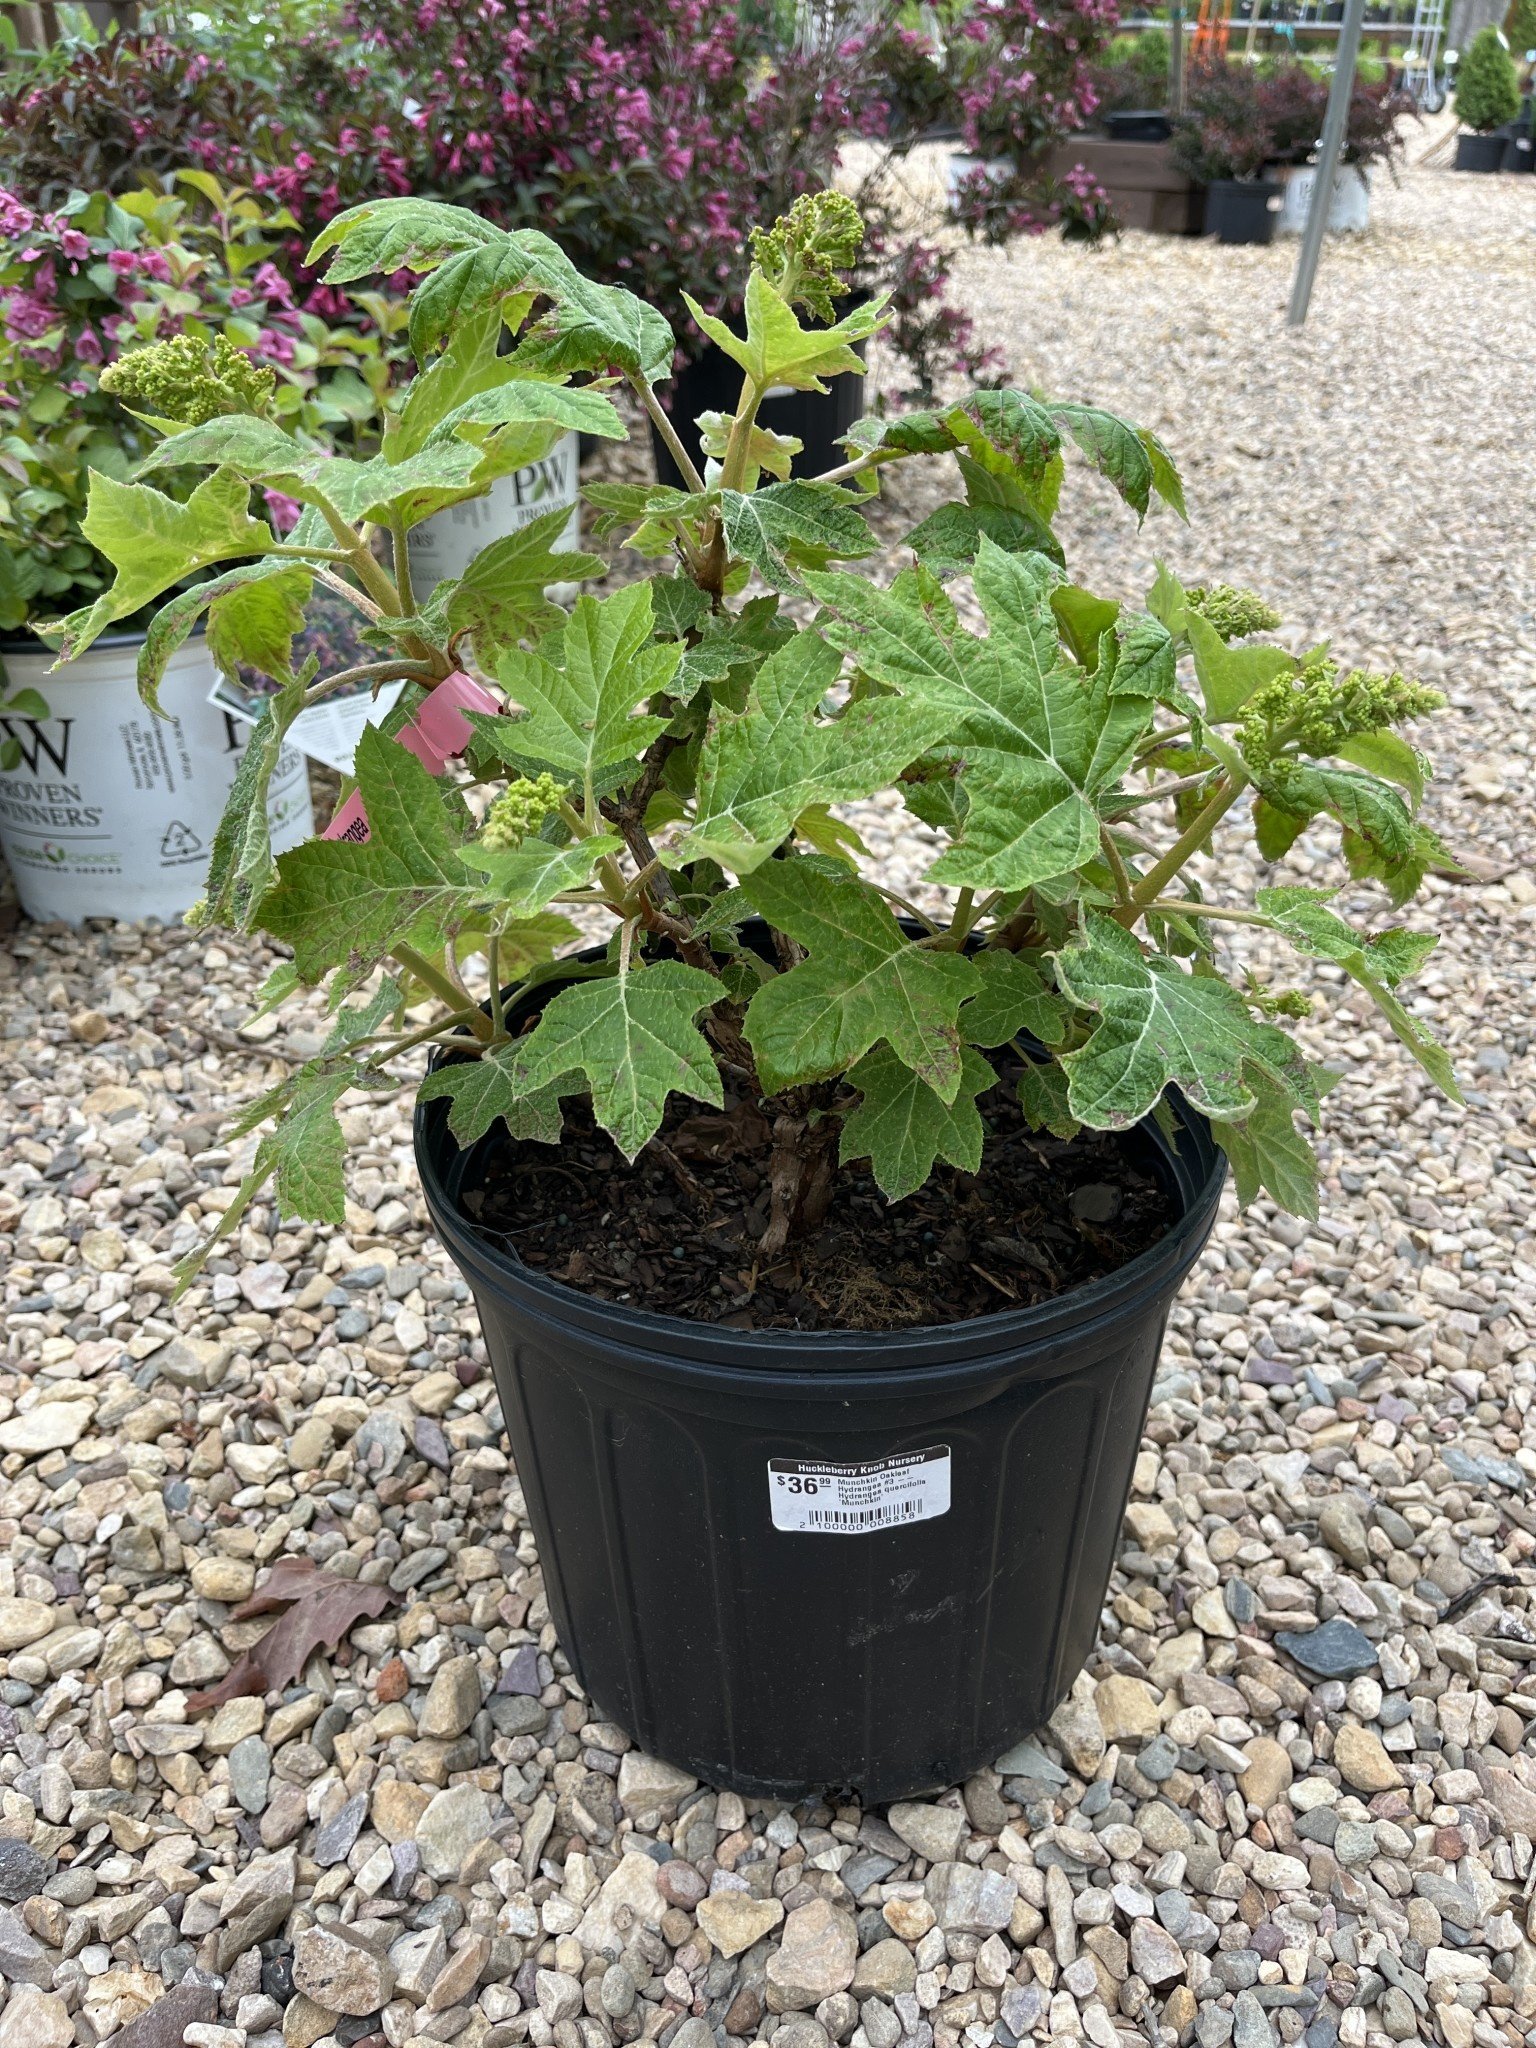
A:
x,y
97,277
646,136
1024,82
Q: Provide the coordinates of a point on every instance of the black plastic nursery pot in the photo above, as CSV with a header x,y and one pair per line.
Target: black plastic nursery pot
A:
x,y
712,383
1243,210
1138,125
784,1560
1480,152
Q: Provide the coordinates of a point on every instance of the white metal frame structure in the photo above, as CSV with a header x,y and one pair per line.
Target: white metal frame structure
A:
x,y
1423,75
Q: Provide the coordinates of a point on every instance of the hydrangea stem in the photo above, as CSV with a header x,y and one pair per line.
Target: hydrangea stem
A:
x,y
668,433
1189,843
443,988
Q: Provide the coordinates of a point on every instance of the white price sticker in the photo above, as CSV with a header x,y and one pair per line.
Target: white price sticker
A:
x,y
817,1499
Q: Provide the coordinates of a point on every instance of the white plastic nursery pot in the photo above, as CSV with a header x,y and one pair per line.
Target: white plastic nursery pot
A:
x,y
963,164
111,811
446,544
1349,212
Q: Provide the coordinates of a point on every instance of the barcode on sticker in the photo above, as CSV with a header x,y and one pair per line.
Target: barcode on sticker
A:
x,y
810,1497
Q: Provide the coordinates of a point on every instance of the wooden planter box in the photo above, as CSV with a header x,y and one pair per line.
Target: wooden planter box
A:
x,y
1144,188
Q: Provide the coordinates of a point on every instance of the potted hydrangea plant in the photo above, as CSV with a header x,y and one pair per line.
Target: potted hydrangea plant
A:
x,y
822,1238
103,812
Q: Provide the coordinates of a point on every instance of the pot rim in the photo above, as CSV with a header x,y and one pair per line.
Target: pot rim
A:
x,y
1197,1175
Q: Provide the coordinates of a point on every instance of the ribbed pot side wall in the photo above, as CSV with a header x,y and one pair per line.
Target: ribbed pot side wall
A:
x,y
771,1660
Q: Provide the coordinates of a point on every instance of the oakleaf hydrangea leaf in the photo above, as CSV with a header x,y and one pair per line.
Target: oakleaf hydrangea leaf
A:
x,y
1040,740
1389,756
412,487
265,618
1166,481
1377,963
1132,459
789,526
1013,998
469,284
306,1151
759,770
1084,620
240,866
481,1090
522,879
634,1039
728,649
864,982
1159,1023
1228,676
582,686
1041,1087
949,539
902,1127
153,541
1014,428
1381,839
356,1022
336,901
386,235
303,1154
531,401
592,326
1267,1151
776,349
1145,658
500,596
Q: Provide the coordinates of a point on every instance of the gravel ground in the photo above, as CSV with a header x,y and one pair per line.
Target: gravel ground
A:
x,y
1228,1832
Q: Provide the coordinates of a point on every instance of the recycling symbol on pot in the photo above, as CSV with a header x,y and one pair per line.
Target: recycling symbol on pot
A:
x,y
180,842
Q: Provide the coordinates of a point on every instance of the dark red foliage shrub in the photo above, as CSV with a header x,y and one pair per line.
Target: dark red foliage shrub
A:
x,y
131,106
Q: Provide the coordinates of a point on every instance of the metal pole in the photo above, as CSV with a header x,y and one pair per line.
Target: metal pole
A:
x,y
1176,59
1345,59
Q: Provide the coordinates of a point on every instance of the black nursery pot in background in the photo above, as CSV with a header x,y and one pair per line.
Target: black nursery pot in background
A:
x,y
784,1560
1138,125
1480,152
712,383
1243,210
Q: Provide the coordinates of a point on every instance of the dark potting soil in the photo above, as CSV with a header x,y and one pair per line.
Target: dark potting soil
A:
x,y
1043,1216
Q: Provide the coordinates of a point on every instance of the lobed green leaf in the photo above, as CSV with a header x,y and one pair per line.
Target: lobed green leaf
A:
x,y
1159,1025
633,1037
759,770
864,982
904,1128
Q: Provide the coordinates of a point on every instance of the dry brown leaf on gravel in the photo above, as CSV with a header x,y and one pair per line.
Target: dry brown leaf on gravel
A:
x,y
315,1609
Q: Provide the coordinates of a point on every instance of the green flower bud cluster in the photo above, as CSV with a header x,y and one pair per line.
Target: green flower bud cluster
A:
x,y
1317,708
1234,614
520,810
805,252
182,380
1291,1002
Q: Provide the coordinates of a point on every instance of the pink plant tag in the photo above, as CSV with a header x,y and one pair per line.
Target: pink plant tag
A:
x,y
438,731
